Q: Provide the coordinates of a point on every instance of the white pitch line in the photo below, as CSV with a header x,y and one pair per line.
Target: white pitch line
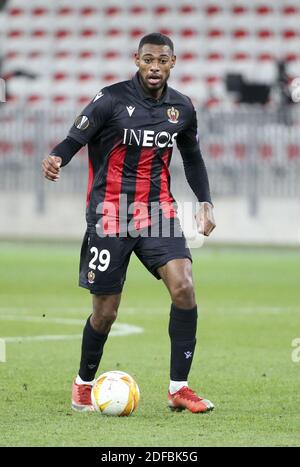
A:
x,y
66,321
4,311
118,329
51,337
2,351
23,312
37,319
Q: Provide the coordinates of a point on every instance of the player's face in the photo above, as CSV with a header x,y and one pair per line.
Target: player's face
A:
x,y
154,63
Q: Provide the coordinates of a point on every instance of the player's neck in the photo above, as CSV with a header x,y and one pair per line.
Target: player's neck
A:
x,y
155,94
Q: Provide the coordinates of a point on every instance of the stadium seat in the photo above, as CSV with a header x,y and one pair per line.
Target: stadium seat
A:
x,y
211,38
239,150
266,151
215,149
293,151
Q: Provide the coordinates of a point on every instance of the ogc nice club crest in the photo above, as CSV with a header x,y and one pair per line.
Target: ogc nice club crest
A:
x,y
173,115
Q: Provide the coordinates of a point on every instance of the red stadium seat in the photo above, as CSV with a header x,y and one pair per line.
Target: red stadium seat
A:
x,y
35,54
289,34
12,99
213,10
212,56
188,56
85,76
161,10
15,11
185,78
59,99
39,11
110,78
211,79
241,56
240,33
113,32
187,9
32,98
111,54
12,54
263,10
293,151
137,33
215,150
15,33
62,33
83,100
112,11
290,10
239,10
137,10
86,54
65,11
239,151
215,33
28,148
188,32
166,31
88,11
88,33
62,54
291,57
264,33
37,33
60,76
5,147
266,151
265,57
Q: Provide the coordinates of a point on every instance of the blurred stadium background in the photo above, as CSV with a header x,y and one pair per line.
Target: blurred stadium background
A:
x,y
236,59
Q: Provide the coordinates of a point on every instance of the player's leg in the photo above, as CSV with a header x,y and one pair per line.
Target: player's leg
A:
x,y
168,258
95,334
177,276
103,267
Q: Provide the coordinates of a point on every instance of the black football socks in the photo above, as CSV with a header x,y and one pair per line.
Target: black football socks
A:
x,y
91,351
182,332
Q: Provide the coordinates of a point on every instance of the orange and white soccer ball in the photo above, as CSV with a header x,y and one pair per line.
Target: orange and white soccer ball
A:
x,y
115,393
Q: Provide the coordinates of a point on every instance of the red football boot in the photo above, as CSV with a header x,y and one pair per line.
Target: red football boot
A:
x,y
185,398
81,397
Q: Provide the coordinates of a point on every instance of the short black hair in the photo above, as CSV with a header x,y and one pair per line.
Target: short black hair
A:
x,y
158,39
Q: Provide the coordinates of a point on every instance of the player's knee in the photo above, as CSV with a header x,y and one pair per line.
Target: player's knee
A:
x,y
183,294
105,310
103,320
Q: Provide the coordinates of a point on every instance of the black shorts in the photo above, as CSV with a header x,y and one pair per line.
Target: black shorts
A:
x,y
104,260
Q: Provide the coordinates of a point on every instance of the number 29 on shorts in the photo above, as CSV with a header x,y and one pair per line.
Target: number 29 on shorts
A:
x,y
102,258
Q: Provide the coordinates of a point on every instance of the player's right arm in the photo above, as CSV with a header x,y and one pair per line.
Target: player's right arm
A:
x,y
59,157
88,124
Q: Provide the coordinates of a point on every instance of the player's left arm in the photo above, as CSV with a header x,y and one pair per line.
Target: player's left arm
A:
x,y
196,175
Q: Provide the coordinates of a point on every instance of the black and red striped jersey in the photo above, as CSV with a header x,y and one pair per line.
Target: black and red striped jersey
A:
x,y
130,138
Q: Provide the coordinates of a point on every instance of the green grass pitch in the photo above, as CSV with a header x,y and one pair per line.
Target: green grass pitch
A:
x,y
249,314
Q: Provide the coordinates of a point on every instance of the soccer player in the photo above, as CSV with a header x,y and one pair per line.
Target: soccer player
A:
x,y
130,128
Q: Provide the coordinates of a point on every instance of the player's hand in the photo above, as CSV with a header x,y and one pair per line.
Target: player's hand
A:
x,y
51,167
205,219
